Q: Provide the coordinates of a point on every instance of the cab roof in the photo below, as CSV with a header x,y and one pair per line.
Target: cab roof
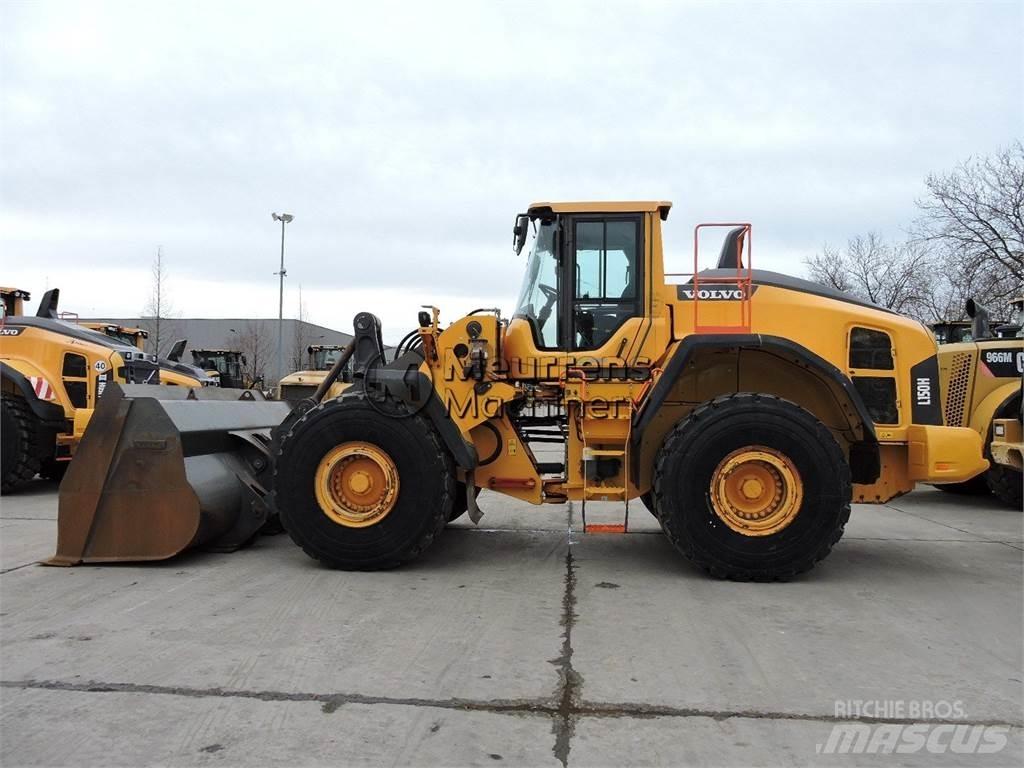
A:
x,y
630,206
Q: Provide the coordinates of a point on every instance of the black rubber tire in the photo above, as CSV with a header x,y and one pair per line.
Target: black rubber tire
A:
x,y
685,466
19,461
1006,485
647,499
976,486
426,485
53,470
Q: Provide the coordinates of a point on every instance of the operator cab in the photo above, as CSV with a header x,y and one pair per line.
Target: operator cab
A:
x,y
586,279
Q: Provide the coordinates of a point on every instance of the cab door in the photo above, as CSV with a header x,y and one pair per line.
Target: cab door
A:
x,y
603,286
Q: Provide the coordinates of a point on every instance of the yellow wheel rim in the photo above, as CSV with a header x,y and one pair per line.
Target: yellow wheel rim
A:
x,y
356,484
756,491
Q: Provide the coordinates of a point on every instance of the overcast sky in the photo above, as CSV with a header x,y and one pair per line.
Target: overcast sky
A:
x,y
404,137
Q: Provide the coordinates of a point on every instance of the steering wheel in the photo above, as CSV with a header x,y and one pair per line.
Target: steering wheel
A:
x,y
550,296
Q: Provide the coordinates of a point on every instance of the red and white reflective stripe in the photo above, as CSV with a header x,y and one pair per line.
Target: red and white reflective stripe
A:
x,y
42,388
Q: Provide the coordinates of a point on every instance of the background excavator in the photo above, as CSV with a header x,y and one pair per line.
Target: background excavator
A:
x,y
748,408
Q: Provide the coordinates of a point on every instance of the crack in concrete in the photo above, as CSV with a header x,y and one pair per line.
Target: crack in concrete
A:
x,y
570,682
540,707
330,701
952,527
937,541
17,567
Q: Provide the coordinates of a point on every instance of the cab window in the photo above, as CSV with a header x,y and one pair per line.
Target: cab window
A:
x,y
871,361
606,283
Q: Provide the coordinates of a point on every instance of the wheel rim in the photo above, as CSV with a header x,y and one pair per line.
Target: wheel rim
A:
x,y
356,484
756,491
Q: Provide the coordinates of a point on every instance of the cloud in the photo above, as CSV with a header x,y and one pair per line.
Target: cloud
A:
x,y
405,137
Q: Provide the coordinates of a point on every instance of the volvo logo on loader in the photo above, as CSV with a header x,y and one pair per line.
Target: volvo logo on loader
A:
x,y
685,293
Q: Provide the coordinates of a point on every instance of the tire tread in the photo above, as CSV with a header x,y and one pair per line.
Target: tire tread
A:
x,y
677,437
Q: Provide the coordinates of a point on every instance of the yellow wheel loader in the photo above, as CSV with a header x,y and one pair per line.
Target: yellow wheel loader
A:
x,y
302,384
749,408
52,373
981,389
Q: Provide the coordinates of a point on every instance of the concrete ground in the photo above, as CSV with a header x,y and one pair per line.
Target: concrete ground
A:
x,y
520,642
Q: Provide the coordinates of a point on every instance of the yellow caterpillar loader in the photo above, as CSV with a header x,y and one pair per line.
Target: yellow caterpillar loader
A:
x,y
52,373
302,384
747,408
981,389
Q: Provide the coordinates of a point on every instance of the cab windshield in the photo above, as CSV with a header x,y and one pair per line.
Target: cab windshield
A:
x,y
323,359
538,299
130,339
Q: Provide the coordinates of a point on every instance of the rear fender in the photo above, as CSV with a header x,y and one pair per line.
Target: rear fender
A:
x,y
833,388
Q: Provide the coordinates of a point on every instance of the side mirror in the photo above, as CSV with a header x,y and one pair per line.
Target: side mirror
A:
x,y
244,361
519,232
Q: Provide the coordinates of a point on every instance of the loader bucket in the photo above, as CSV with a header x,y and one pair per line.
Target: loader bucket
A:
x,y
162,469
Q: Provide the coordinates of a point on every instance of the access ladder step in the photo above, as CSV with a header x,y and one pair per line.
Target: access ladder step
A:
x,y
605,493
604,528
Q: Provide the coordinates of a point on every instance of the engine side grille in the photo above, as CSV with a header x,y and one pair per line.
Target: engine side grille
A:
x,y
956,395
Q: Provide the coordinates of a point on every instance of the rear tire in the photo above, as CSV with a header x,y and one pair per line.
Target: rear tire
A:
x,y
689,464
1005,484
426,485
19,462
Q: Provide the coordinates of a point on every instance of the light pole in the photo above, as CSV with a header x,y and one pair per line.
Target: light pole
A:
x,y
284,218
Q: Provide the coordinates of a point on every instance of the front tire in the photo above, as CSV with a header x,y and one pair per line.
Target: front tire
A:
x,y
752,487
359,489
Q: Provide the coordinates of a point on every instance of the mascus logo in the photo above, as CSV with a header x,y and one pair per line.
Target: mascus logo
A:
x,y
719,293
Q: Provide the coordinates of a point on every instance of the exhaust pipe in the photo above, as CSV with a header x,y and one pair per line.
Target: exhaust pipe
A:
x,y
979,320
162,469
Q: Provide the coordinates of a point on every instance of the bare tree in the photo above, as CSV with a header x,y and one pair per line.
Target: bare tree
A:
x,y
896,276
158,314
973,218
302,339
255,344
